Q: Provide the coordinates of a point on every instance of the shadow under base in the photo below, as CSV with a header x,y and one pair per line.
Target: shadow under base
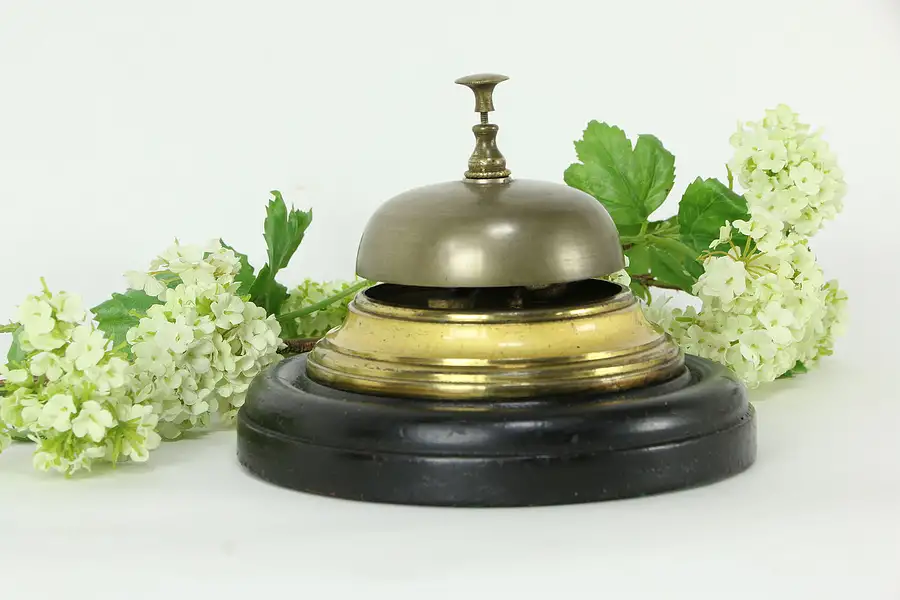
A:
x,y
695,429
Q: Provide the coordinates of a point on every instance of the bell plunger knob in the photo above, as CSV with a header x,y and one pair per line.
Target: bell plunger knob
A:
x,y
486,161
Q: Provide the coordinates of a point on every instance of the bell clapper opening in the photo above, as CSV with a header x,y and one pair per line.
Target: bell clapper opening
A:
x,y
562,295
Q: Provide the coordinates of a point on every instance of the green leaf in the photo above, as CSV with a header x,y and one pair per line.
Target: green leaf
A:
x,y
798,369
628,232
640,290
266,292
704,208
16,355
120,313
638,259
673,269
655,170
676,248
246,276
283,231
667,260
169,279
630,182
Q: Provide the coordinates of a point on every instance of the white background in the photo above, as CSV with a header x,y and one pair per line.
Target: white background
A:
x,y
126,124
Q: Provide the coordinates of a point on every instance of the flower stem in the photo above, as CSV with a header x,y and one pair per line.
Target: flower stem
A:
x,y
11,328
308,310
650,281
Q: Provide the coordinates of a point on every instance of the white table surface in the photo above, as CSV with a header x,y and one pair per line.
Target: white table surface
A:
x,y
815,517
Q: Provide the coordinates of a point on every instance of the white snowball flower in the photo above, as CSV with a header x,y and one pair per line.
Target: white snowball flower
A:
x,y
787,172
70,390
781,314
44,461
782,118
107,376
228,310
757,345
68,307
20,409
258,334
772,156
196,266
196,352
735,326
807,178
49,365
93,420
724,278
150,285
151,358
35,315
13,375
87,348
178,255
57,412
174,336
724,235
43,341
137,447
777,321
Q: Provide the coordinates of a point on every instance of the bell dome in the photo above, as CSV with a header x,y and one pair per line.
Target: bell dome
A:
x,y
488,229
489,233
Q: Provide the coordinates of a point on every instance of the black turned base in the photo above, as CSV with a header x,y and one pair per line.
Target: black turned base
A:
x,y
696,429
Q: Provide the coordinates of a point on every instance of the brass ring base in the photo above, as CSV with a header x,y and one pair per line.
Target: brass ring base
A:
x,y
444,354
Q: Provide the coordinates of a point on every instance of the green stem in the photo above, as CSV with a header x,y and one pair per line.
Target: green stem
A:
x,y
308,310
11,328
674,246
650,281
666,229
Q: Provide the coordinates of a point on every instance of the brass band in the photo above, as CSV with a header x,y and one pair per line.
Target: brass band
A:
x,y
442,354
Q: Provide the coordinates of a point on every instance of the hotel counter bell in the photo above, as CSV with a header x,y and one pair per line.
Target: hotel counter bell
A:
x,y
492,366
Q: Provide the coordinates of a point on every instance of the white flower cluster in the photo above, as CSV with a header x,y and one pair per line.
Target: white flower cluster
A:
x,y
790,174
196,353
766,308
763,312
71,393
320,322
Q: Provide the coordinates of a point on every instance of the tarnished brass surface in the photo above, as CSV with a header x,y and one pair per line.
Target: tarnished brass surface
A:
x,y
486,161
447,354
483,84
470,234
489,230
